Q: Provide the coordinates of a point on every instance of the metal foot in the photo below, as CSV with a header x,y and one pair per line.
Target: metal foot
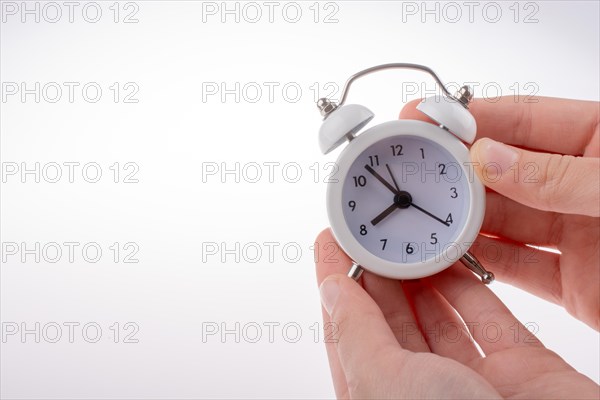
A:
x,y
355,272
471,262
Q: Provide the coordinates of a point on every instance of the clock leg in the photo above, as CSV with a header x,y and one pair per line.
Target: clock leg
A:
x,y
355,272
474,265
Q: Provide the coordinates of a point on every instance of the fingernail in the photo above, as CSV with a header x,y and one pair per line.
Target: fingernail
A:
x,y
330,291
495,158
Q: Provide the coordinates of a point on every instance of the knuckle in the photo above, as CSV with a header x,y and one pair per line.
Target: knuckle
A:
x,y
555,180
556,291
557,228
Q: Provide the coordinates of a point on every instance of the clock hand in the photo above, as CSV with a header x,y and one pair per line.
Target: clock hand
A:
x,y
392,175
380,179
402,199
430,214
398,193
384,214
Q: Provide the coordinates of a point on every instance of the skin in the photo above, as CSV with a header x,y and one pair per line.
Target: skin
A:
x,y
393,339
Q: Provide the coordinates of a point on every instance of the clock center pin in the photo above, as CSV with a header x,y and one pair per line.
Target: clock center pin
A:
x,y
403,199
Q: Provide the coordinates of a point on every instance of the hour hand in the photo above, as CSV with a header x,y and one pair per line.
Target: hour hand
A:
x,y
384,214
402,199
380,179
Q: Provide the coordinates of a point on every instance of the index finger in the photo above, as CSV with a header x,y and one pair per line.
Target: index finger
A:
x,y
540,123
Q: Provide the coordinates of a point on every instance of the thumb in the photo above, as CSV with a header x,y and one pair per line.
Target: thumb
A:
x,y
549,182
362,336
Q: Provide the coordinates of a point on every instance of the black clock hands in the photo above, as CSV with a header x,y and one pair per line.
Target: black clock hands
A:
x,y
430,214
395,190
395,205
392,175
402,199
380,178
384,214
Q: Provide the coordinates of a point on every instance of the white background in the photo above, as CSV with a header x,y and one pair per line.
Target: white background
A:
x,y
171,53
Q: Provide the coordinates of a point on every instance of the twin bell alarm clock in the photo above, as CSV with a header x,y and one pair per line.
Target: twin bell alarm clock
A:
x,y
407,203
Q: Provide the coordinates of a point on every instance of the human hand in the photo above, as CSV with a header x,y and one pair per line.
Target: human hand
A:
x,y
406,340
539,198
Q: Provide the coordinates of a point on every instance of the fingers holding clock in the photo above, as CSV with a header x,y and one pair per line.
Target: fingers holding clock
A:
x,y
387,293
540,123
340,385
490,322
443,329
363,340
329,256
390,296
508,219
409,111
550,182
362,335
536,271
331,260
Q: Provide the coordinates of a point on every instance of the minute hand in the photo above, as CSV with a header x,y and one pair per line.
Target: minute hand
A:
x,y
380,179
430,214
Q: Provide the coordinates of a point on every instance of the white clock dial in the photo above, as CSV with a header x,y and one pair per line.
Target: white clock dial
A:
x,y
406,199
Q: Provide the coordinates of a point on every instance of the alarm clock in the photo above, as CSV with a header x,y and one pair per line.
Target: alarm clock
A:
x,y
406,203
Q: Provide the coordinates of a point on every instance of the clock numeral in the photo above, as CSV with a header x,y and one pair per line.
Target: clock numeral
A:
x,y
422,153
442,168
384,241
454,192
352,204
449,219
374,160
409,249
397,150
363,230
360,180
434,239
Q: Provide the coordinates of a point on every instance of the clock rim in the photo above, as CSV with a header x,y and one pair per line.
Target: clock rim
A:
x,y
352,246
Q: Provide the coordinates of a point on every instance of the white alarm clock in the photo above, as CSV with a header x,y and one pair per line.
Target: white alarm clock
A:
x,y
406,202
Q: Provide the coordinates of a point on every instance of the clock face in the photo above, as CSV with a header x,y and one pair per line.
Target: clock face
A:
x,y
406,199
